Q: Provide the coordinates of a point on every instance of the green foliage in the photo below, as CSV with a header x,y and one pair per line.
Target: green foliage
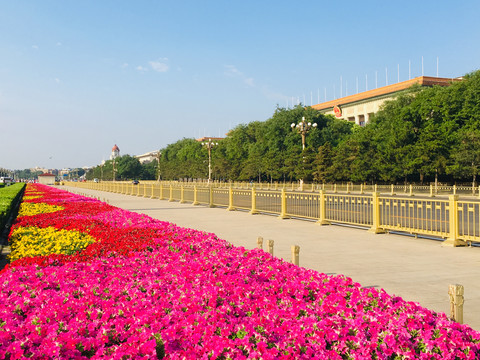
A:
x,y
423,134
27,174
8,196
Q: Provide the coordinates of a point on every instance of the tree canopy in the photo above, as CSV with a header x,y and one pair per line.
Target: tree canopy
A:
x,y
422,134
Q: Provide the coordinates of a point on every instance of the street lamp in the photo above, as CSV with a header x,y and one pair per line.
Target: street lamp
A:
x,y
303,127
209,145
159,155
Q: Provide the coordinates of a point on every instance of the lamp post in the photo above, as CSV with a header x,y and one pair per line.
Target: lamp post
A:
x,y
113,170
209,145
303,127
159,154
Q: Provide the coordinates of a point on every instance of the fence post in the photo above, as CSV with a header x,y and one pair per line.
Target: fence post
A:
x,y
195,196
160,195
455,293
295,254
230,199
431,191
375,229
171,193
322,206
361,188
453,239
393,191
211,196
335,188
145,190
254,211
260,242
182,193
270,247
411,190
283,212
454,189
153,193
348,188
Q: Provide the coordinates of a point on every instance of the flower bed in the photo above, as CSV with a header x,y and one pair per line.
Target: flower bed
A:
x,y
149,289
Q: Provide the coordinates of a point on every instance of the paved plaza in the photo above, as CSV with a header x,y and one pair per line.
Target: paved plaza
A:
x,y
416,269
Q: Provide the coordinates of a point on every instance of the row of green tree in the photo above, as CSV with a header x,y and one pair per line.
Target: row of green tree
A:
x,y
124,167
424,134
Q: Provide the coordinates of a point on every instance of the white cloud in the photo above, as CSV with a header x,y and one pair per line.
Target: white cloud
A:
x,y
160,65
232,71
249,82
124,65
35,47
57,80
59,43
141,68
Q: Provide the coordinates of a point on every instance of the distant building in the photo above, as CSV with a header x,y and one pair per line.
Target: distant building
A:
x,y
115,152
360,107
64,172
46,179
147,157
37,168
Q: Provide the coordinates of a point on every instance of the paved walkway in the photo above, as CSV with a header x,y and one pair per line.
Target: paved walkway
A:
x,y
416,269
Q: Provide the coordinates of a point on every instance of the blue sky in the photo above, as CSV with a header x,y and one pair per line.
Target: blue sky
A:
x,y
77,77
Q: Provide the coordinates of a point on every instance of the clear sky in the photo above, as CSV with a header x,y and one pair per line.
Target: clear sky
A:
x,y
77,77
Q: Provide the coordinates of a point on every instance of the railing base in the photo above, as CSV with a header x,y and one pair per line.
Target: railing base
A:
x,y
376,231
454,243
322,222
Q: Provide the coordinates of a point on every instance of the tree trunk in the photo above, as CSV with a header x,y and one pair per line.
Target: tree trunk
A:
x,y
473,183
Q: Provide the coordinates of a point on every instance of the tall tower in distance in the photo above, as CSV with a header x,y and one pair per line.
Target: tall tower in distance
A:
x,y
115,152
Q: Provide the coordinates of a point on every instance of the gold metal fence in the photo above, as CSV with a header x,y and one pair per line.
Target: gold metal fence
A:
x,y
303,205
456,221
349,209
418,216
242,199
268,202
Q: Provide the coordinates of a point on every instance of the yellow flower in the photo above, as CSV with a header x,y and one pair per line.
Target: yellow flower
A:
x,y
29,209
30,197
33,241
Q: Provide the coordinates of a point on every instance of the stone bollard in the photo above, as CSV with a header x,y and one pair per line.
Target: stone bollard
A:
x,y
270,247
295,254
260,242
455,292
